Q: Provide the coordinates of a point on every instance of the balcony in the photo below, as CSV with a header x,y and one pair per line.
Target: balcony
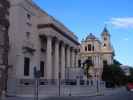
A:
x,y
28,47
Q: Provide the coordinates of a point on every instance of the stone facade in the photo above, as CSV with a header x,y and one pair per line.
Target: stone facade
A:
x,y
95,53
37,40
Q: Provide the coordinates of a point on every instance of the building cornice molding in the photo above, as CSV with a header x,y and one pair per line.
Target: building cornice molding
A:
x,y
51,25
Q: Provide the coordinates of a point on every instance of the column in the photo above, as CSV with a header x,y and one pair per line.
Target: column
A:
x,y
56,60
67,62
62,61
76,58
97,66
73,58
49,58
96,61
68,57
94,58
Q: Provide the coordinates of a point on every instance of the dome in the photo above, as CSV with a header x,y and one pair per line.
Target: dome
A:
x,y
90,36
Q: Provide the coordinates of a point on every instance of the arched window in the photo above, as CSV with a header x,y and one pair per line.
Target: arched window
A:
x,y
89,47
105,38
104,45
85,48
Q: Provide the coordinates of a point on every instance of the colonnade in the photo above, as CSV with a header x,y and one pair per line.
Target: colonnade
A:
x,y
64,56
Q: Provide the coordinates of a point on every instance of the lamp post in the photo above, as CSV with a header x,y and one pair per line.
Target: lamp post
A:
x,y
97,82
59,82
37,75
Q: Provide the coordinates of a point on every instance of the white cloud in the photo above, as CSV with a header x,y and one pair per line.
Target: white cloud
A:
x,y
125,22
126,39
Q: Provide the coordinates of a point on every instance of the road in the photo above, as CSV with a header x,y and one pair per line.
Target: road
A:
x,y
112,94
119,94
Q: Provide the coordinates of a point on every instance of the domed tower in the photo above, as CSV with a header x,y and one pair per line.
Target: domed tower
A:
x,y
107,48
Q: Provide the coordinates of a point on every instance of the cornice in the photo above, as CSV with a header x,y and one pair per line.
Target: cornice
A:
x,y
51,25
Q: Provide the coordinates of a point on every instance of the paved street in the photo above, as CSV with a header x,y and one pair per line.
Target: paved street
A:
x,y
111,94
120,94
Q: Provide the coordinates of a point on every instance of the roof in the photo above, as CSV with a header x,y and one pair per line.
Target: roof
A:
x,y
105,31
91,36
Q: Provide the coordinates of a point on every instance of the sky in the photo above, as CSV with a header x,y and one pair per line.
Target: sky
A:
x,y
90,16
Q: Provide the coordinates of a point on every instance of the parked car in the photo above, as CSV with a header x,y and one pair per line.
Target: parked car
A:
x,y
109,84
130,86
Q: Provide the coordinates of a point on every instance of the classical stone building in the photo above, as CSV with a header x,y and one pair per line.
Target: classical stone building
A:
x,y
94,53
37,40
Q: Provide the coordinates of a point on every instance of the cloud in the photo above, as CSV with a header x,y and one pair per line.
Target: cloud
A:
x,y
125,22
126,39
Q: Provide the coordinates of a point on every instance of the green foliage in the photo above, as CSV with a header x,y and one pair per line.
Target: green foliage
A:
x,y
130,77
114,74
4,12
116,62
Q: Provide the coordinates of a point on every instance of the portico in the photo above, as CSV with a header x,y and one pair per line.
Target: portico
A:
x,y
59,55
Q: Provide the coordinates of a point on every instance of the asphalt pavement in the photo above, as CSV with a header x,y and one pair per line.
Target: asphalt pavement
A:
x,y
109,94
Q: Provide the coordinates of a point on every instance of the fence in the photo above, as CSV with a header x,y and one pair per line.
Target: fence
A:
x,y
26,87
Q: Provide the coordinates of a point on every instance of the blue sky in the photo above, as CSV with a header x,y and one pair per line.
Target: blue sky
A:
x,y
85,16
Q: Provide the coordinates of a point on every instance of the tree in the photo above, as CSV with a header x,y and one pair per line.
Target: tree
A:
x,y
116,62
4,25
130,77
114,74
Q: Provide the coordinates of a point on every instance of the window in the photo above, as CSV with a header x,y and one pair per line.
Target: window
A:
x,y
79,63
105,38
93,48
85,48
28,35
29,16
104,45
89,47
42,68
26,66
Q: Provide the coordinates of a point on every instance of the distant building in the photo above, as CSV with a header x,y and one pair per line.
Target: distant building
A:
x,y
96,53
126,69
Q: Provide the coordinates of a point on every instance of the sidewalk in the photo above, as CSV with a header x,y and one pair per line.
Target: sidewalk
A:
x,y
111,91
107,91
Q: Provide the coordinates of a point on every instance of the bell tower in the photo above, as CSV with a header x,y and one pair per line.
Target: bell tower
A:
x,y
106,44
107,49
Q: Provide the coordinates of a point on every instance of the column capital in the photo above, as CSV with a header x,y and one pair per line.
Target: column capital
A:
x,y
49,36
56,39
63,44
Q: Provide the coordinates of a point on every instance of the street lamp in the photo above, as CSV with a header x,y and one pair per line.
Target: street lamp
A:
x,y
37,75
59,81
97,81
